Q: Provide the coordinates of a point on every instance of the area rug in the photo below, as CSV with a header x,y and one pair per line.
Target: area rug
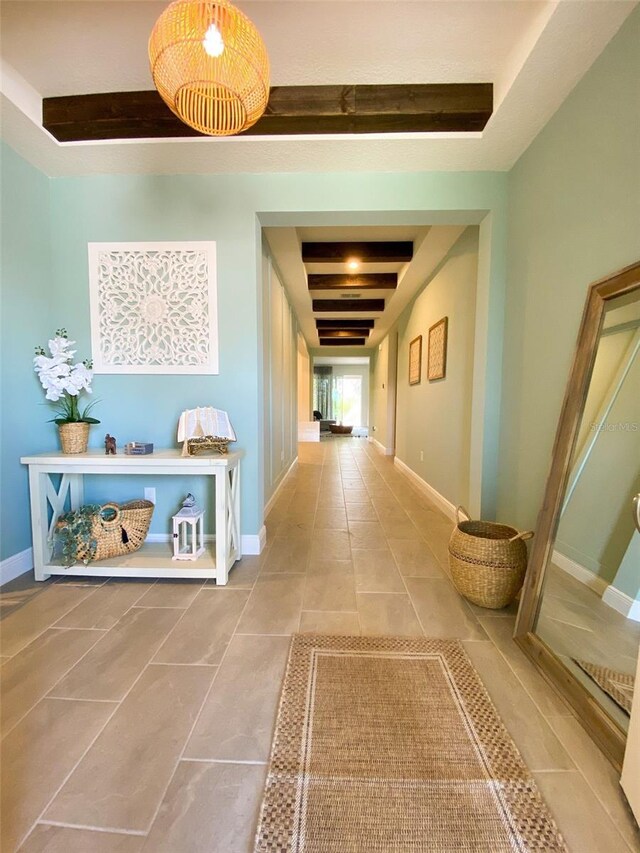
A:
x,y
618,685
392,745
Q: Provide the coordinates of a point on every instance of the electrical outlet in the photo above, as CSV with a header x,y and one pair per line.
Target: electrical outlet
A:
x,y
422,455
150,495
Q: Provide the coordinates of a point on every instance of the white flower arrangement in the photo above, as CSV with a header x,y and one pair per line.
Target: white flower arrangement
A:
x,y
64,381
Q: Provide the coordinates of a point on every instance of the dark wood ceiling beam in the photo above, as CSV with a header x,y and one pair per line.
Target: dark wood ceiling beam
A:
x,y
342,342
350,305
344,323
366,281
420,108
343,333
379,252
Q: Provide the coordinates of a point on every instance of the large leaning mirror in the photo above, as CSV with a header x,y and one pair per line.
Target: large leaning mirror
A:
x,y
579,617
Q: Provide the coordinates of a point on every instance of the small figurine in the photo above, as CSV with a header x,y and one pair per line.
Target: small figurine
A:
x,y
109,445
189,501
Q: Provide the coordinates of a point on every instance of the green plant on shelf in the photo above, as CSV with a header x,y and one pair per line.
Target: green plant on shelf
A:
x,y
74,534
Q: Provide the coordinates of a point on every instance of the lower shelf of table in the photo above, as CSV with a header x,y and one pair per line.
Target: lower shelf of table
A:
x,y
153,560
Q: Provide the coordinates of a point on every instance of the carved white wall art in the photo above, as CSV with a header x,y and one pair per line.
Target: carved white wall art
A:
x,y
153,307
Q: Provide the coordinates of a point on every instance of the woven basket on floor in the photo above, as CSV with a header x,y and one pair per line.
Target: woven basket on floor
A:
x,y
118,529
74,437
487,560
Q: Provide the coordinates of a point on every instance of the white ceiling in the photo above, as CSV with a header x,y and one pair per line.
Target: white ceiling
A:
x,y
430,246
533,52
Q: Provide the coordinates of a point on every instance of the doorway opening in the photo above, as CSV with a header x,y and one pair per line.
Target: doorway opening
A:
x,y
341,393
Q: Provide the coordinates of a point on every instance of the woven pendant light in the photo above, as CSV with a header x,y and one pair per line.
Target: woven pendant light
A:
x,y
210,66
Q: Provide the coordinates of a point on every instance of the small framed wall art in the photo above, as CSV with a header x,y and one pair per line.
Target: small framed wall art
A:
x,y
415,360
437,352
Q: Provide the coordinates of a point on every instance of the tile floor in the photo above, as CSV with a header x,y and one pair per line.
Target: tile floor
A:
x,y
138,716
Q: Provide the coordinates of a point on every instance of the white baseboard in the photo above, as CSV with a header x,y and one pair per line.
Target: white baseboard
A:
x,y
621,603
586,577
252,543
439,500
274,497
386,451
16,565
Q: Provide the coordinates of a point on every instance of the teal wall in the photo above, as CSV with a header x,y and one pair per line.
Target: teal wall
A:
x,y
228,209
25,321
574,217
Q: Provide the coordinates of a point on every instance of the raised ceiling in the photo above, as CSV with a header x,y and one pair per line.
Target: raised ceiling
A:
x,y
354,316
532,52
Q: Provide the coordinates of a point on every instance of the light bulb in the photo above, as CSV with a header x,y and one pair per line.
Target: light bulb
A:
x,y
353,264
212,42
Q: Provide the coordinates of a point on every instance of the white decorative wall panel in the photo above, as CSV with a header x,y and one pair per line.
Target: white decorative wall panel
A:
x,y
153,307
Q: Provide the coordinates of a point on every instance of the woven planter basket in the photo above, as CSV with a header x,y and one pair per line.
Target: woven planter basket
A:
x,y
487,560
74,438
118,529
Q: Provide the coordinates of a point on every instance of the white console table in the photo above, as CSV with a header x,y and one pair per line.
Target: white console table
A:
x,y
154,558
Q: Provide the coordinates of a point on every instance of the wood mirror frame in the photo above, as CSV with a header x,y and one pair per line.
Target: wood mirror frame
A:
x,y
604,730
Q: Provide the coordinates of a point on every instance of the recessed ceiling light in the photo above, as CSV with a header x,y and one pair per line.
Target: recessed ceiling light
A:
x,y
353,264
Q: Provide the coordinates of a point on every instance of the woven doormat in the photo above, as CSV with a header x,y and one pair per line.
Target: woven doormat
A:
x,y
387,744
618,685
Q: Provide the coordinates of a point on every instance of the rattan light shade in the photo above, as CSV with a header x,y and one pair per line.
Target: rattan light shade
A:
x,y
218,94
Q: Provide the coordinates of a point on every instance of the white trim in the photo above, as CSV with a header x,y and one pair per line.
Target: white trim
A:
x,y
622,603
274,497
22,95
386,451
16,565
580,573
252,543
441,502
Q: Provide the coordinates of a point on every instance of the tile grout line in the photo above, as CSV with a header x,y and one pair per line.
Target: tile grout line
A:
x,y
101,586
196,719
104,633
111,830
66,613
64,675
100,731
77,764
244,762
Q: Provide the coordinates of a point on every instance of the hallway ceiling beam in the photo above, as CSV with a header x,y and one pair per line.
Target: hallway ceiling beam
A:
x,y
340,323
378,252
366,281
339,305
343,333
310,110
342,342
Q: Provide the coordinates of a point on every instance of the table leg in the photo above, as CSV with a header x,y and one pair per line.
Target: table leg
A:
x,y
222,544
76,489
39,522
